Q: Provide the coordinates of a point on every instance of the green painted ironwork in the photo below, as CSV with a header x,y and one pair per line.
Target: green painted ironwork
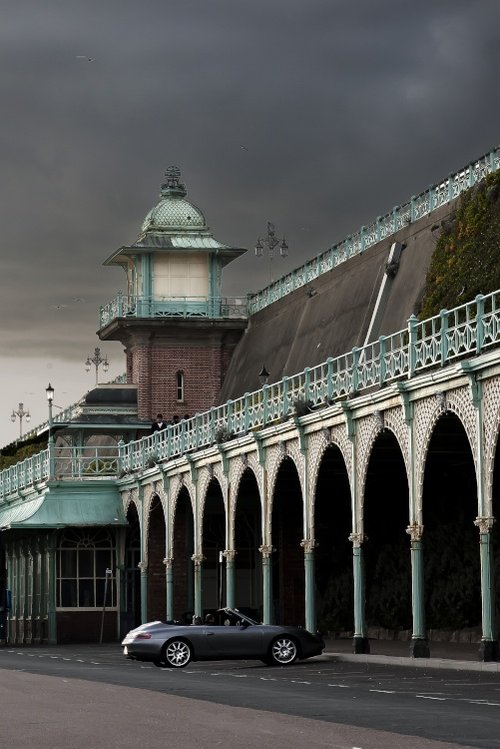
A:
x,y
384,226
466,330
88,462
173,307
401,355
310,605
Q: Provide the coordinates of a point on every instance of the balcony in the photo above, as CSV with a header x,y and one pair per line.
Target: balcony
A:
x,y
213,308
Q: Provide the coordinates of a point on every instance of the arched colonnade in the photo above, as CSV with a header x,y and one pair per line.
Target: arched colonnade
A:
x,y
374,515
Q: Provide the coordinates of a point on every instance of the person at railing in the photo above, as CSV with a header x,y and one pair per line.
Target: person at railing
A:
x,y
158,424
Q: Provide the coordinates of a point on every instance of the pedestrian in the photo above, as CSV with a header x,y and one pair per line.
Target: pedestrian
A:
x,y
158,424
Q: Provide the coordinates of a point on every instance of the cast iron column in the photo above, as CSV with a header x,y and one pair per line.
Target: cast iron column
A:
x,y
419,647
198,568
360,640
143,566
489,649
51,607
267,584
230,555
308,545
169,576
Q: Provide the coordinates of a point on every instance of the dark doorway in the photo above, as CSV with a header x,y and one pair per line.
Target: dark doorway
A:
x,y
451,548
387,545
214,543
156,554
248,535
333,554
288,559
183,543
495,536
131,609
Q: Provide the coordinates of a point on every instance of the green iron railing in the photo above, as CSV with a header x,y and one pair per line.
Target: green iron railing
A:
x,y
463,331
174,307
383,227
466,330
61,463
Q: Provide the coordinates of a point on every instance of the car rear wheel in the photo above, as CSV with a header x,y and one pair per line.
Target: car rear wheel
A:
x,y
176,653
283,651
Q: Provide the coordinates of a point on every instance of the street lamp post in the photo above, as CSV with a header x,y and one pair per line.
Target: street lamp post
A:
x,y
97,360
271,241
49,390
21,413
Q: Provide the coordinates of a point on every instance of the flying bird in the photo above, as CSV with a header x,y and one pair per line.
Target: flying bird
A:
x,y
244,148
84,57
58,306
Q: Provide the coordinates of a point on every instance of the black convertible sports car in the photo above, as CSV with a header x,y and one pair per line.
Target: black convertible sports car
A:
x,y
227,634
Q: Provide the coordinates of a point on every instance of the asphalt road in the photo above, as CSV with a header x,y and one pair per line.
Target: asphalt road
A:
x,y
48,693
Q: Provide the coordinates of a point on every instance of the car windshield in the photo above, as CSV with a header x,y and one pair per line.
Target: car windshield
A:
x,y
232,617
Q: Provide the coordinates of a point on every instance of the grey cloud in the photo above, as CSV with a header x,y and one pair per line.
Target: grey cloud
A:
x,y
346,109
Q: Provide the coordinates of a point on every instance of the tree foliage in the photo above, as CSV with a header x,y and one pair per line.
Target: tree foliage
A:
x,y
10,456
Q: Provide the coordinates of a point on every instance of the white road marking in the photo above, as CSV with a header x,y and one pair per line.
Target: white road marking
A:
x,y
340,686
383,691
428,697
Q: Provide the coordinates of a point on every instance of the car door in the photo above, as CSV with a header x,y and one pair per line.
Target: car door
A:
x,y
234,641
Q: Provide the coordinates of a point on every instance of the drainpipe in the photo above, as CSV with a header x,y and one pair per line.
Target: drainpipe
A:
x,y
391,269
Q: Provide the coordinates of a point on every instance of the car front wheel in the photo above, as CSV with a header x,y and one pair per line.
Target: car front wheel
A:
x,y
176,653
283,651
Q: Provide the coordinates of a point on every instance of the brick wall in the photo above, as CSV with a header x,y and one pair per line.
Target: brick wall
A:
x,y
154,370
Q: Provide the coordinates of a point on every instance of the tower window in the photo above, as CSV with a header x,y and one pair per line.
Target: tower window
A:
x,y
180,385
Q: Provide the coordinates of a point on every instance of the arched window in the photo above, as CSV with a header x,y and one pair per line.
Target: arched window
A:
x,y
180,385
83,556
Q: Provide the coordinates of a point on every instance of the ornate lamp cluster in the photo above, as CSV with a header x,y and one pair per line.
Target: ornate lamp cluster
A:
x,y
21,414
271,242
97,360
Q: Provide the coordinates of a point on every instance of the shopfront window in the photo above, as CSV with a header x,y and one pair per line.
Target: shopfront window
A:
x,y
83,556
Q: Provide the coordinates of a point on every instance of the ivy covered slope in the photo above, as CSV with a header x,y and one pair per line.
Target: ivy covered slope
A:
x,y
466,261
15,452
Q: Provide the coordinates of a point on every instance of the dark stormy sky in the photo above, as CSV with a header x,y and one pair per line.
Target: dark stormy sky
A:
x,y
316,114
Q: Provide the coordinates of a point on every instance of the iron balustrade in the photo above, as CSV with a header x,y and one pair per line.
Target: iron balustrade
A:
x,y
66,463
125,305
383,227
468,329
465,330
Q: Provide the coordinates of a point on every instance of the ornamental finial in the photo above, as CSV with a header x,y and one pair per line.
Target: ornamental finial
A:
x,y
173,187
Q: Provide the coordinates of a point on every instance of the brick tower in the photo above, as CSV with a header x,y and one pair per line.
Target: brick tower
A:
x,y
177,330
